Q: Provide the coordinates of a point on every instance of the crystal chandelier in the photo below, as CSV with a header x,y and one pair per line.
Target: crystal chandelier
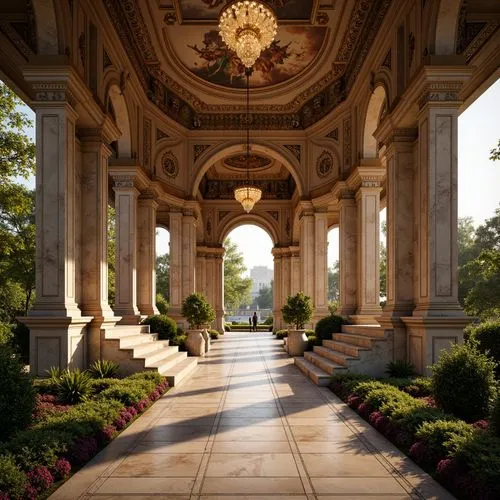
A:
x,y
248,194
248,27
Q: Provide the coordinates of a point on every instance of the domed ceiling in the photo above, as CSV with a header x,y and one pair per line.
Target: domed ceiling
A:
x,y
188,72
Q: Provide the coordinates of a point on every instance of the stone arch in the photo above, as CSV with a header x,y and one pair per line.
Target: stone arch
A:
x,y
372,119
445,27
256,219
115,96
227,149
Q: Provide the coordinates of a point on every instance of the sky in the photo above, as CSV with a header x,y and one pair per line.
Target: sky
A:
x,y
478,181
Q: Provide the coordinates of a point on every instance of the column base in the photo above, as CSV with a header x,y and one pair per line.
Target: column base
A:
x,y
56,341
148,310
395,328
428,336
96,330
365,318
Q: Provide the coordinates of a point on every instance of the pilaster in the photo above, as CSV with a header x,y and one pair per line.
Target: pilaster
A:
x,y
175,278
320,265
277,288
307,250
188,253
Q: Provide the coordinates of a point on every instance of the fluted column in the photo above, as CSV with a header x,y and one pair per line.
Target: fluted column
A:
x,y
320,265
146,257
175,264
126,249
219,291
307,247
348,228
294,270
188,253
201,270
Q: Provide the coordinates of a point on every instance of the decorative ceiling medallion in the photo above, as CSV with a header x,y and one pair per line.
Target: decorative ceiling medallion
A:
x,y
170,165
324,164
254,162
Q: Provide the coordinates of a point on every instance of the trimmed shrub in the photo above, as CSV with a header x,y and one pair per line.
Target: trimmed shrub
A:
x,y
17,397
12,480
101,384
487,338
268,320
128,392
155,377
437,434
22,341
74,386
227,327
104,368
364,387
463,382
165,327
281,334
179,340
328,325
297,310
197,311
214,334
161,304
400,369
411,416
311,342
385,396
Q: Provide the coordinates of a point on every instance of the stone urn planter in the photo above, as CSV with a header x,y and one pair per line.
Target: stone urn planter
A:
x,y
195,343
296,342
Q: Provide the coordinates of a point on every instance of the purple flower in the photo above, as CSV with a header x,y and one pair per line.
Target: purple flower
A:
x,y
364,410
108,432
354,401
40,478
30,492
83,450
132,411
126,415
420,452
481,424
4,496
120,422
62,468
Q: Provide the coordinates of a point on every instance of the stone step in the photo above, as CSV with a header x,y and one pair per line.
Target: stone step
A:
x,y
181,370
170,360
155,352
344,347
120,331
326,365
337,357
135,340
366,330
317,375
357,340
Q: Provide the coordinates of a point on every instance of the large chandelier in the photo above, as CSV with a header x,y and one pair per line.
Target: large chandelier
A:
x,y
248,27
248,194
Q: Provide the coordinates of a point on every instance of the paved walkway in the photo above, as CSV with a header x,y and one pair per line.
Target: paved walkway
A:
x,y
249,425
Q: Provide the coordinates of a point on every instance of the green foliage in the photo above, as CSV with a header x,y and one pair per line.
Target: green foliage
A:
x,y
165,327
495,416
17,397
152,376
162,277
387,396
281,334
100,384
22,341
486,336
438,433
495,153
104,368
161,304
333,306
179,340
268,320
265,298
334,282
12,480
328,325
227,327
73,386
214,334
463,382
128,391
400,368
411,414
236,286
312,340
6,334
365,386
297,310
197,310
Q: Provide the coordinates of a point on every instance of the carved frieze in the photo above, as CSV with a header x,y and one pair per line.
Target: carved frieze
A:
x,y
440,92
217,189
53,92
169,165
124,181
324,164
347,143
147,144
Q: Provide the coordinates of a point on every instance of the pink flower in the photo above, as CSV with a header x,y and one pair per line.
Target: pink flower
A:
x,y
108,433
125,415
83,450
62,468
354,401
132,411
481,424
40,478
4,496
30,492
120,422
364,410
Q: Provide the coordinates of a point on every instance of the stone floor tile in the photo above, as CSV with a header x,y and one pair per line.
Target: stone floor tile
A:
x,y
178,433
251,447
252,465
340,465
170,447
146,485
334,432
255,485
380,486
159,465
253,433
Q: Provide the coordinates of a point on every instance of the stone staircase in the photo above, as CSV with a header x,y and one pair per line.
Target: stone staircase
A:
x,y
135,349
357,349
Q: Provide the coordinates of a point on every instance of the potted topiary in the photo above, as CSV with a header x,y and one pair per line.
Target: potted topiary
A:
x,y
199,314
297,311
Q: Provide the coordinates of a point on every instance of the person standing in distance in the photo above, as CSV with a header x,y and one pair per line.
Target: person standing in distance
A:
x,y
254,321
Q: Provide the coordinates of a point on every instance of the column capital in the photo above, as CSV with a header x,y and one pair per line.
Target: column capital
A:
x,y
99,136
368,175
124,182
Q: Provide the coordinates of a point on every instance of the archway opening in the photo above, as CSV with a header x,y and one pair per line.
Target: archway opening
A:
x,y
333,263
162,268
248,276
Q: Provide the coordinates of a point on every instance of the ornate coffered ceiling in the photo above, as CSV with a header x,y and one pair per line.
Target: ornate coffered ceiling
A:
x,y
194,79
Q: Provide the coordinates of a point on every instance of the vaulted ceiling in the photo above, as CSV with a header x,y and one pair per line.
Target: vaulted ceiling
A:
x,y
189,73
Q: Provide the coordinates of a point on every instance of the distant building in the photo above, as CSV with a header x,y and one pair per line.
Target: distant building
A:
x,y
261,277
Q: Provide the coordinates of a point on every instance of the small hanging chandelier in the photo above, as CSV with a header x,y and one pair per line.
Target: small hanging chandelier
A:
x,y
248,194
248,27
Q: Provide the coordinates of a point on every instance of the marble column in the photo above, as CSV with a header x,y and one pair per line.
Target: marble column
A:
x,y
188,253
126,249
175,270
94,238
320,265
219,288
307,246
277,288
146,254
438,319
201,270
57,328
348,236
294,270
368,288
286,275
399,188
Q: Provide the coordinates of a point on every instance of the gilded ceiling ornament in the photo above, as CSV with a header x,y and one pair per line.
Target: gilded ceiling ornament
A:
x,y
254,161
170,165
324,164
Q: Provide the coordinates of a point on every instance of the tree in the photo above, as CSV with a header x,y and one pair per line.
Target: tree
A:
x,y
236,286
495,153
265,298
162,274
334,282
466,252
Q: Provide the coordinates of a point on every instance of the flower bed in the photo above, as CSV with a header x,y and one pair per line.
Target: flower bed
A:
x,y
463,457
63,437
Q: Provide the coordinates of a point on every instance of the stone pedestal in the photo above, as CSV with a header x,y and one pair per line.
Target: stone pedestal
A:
x,y
126,249
146,256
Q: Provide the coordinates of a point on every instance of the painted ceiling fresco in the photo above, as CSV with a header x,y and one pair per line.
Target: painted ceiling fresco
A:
x,y
208,10
201,49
